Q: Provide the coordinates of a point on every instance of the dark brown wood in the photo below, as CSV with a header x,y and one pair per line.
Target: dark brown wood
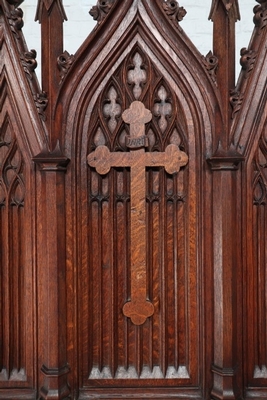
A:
x,y
76,165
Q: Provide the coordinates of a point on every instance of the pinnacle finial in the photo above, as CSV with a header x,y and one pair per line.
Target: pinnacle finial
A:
x,y
228,5
49,4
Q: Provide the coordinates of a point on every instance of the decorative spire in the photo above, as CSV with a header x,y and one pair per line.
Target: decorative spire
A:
x,y
49,4
51,15
228,5
224,14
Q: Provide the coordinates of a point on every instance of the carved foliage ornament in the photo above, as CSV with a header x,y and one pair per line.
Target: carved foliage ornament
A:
x,y
29,62
211,63
173,10
236,99
64,63
41,102
102,8
260,17
15,19
247,60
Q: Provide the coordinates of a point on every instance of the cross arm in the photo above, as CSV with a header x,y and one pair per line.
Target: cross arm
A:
x,y
102,159
172,159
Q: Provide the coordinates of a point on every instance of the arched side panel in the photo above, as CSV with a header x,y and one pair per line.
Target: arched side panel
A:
x,y
20,138
17,336
255,273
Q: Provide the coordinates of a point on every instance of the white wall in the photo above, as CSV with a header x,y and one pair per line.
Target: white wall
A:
x,y
195,24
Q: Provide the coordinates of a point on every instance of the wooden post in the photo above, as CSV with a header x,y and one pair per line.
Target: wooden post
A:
x,y
225,243
52,270
224,163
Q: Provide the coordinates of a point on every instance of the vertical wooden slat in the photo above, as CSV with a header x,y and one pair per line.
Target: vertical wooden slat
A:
x,y
157,299
260,287
163,276
15,301
176,240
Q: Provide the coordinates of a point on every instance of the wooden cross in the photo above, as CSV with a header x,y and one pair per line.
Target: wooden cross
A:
x,y
139,308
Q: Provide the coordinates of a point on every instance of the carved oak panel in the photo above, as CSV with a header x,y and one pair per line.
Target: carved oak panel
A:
x,y
164,350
